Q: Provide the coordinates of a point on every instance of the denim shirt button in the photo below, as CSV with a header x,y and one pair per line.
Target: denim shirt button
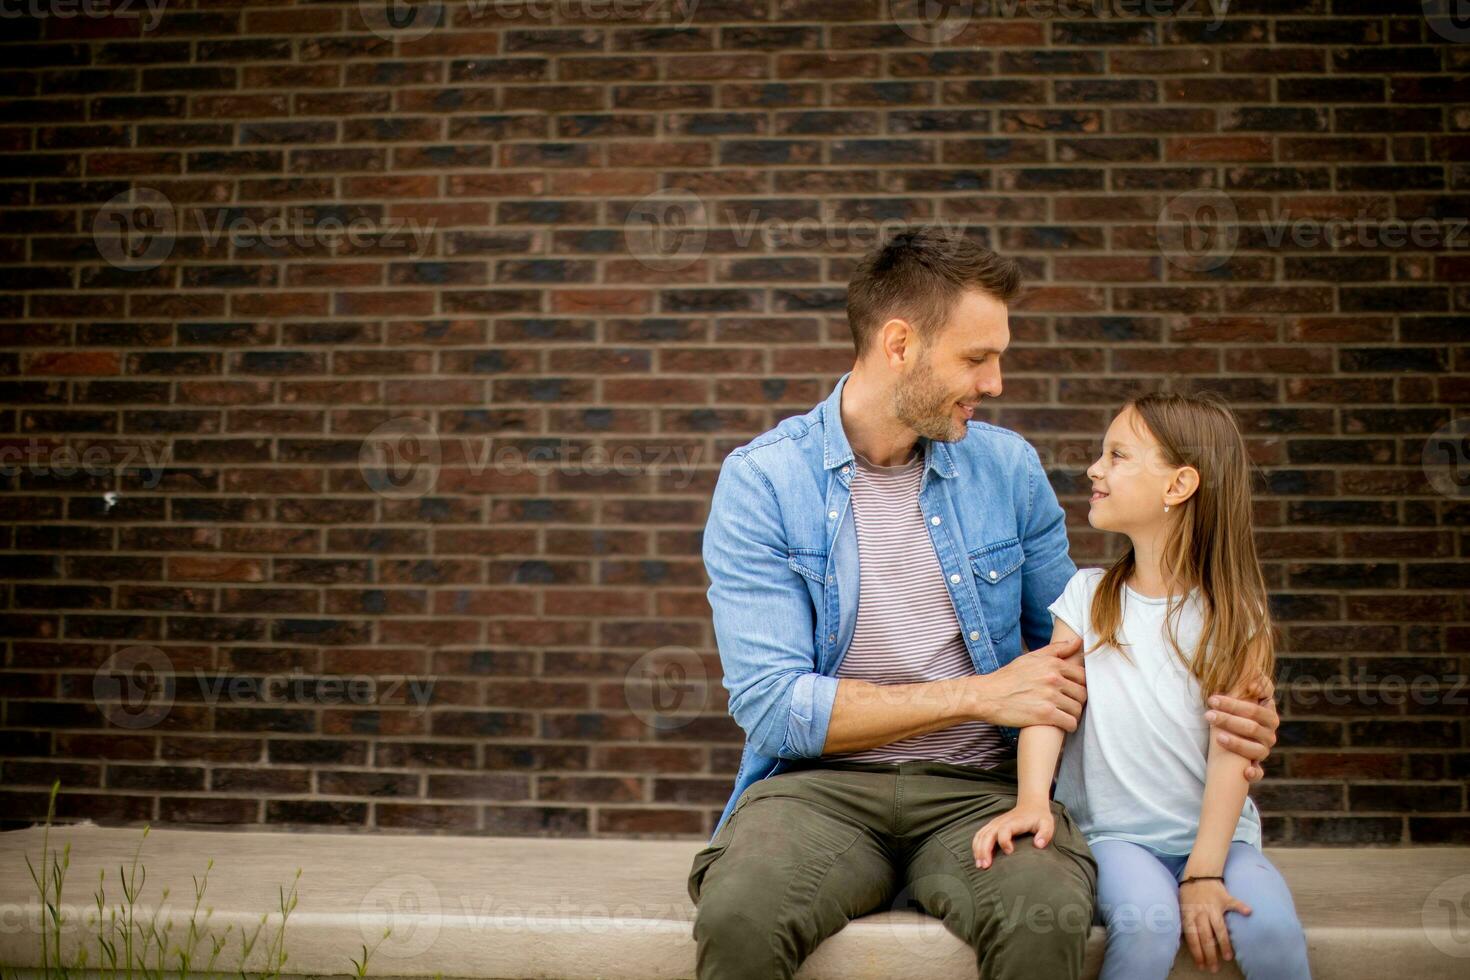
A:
x,y
954,578
831,515
974,634
992,575
831,637
934,520
830,579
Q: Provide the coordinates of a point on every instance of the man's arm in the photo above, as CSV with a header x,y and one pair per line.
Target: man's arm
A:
x,y
867,715
1246,725
764,624
763,618
1043,687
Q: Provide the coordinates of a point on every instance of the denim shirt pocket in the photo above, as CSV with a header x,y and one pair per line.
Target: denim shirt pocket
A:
x,y
995,565
811,564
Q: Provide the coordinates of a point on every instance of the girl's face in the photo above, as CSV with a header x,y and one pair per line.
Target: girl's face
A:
x,y
1129,479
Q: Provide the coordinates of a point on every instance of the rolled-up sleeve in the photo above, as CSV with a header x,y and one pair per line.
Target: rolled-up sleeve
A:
x,y
764,619
1048,567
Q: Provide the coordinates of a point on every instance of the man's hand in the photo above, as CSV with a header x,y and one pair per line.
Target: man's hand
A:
x,y
1044,687
1246,723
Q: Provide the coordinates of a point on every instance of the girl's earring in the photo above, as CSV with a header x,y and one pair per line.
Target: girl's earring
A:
x,y
1166,508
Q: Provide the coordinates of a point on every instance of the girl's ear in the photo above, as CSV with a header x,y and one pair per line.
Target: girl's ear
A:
x,y
1182,485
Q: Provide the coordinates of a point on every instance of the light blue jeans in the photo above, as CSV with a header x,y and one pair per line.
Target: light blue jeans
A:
x,y
1138,902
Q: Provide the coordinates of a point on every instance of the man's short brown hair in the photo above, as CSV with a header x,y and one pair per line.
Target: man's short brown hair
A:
x,y
919,275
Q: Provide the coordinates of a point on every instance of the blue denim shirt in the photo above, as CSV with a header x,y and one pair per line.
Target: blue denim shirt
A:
x,y
780,550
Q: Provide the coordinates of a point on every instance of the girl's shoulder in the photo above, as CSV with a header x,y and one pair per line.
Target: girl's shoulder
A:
x,y
1076,598
1085,579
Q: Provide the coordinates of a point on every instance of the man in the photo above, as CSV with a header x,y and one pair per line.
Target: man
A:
x,y
875,566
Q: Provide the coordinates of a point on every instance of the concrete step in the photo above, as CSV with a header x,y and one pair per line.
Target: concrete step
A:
x,y
513,907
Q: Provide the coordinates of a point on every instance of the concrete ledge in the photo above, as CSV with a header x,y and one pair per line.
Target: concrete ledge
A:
x,y
517,908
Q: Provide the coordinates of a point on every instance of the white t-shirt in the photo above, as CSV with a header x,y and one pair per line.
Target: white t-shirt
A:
x,y
1134,769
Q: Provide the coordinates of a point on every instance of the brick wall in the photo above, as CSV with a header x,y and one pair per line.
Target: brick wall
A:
x,y
357,454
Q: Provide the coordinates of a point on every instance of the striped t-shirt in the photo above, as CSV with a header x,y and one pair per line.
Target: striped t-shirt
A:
x,y
907,631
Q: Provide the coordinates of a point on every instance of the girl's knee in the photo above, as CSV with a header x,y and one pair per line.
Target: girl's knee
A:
x,y
1141,952
1265,937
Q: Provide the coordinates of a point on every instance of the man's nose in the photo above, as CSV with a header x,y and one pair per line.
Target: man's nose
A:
x,y
992,385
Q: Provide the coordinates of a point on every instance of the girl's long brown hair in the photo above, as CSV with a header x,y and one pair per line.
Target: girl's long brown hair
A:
x,y
1211,544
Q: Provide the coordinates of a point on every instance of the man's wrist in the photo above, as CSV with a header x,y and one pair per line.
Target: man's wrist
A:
x,y
978,704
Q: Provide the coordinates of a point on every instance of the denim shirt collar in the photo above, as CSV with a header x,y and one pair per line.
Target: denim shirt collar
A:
x,y
837,452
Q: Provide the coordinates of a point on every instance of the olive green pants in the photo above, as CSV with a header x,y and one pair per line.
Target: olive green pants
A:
x,y
811,848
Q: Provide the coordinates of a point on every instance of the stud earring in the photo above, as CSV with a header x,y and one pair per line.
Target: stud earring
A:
x,y
1166,508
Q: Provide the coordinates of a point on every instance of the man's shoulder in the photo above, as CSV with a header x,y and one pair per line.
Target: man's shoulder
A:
x,y
990,445
995,435
793,435
986,447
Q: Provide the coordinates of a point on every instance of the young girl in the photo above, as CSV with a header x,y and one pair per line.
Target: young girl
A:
x,y
1181,614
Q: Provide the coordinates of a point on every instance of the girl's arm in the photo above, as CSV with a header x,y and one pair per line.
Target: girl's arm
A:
x,y
1203,904
1036,764
1040,745
1225,784
1219,812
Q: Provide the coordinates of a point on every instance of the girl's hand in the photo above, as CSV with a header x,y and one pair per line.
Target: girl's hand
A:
x,y
1026,818
1202,908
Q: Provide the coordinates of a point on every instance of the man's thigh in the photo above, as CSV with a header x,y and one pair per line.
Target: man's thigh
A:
x,y
1027,900
802,843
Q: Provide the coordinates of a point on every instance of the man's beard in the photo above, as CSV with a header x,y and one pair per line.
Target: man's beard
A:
x,y
923,404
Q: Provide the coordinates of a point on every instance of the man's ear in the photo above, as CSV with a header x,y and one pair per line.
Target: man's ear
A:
x,y
897,338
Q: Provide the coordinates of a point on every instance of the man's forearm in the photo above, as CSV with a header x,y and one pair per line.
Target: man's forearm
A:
x,y
867,715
